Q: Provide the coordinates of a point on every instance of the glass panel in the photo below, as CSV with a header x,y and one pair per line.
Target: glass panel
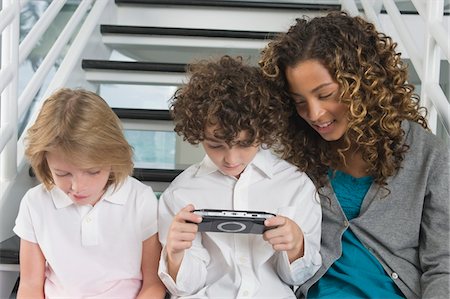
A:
x,y
152,149
29,15
137,96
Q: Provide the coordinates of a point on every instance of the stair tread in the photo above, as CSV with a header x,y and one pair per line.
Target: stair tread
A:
x,y
236,4
159,175
150,114
191,32
133,65
9,250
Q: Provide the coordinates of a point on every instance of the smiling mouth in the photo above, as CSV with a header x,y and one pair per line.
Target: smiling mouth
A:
x,y
323,125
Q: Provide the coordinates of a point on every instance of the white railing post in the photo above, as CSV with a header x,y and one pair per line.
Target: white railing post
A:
x,y
432,60
405,36
350,7
371,10
9,105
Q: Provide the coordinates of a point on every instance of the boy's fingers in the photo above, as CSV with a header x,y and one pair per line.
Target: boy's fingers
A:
x,y
275,221
187,215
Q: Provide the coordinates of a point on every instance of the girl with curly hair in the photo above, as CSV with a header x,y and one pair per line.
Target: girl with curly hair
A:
x,y
228,109
357,129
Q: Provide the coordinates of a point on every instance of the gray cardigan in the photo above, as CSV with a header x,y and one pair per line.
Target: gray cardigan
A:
x,y
407,230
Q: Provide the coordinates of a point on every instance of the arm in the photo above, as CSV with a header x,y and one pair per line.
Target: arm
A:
x,y
152,287
32,271
296,236
184,272
434,248
285,235
181,235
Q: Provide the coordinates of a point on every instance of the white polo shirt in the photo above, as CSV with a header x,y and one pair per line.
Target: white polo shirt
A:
x,y
90,251
222,265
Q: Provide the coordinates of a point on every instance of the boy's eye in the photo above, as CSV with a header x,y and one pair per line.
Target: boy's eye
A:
x,y
94,172
214,146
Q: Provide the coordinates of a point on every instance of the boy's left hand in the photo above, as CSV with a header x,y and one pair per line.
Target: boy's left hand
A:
x,y
285,235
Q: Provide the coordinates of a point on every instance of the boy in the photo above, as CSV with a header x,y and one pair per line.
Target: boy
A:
x,y
227,107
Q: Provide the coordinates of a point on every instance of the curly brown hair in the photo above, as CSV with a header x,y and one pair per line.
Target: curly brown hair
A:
x,y
373,84
232,97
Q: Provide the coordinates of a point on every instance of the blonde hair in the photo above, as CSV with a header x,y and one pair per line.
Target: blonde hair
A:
x,y
80,125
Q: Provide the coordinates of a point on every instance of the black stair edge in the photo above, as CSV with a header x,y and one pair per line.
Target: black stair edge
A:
x,y
156,175
133,66
146,174
9,250
191,32
236,4
149,114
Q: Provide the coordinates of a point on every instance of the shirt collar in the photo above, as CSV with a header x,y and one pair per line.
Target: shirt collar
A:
x,y
262,162
118,196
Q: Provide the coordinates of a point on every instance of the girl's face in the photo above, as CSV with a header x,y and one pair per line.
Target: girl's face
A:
x,y
316,97
230,160
83,186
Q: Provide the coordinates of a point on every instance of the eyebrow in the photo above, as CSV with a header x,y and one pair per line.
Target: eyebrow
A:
x,y
212,138
314,90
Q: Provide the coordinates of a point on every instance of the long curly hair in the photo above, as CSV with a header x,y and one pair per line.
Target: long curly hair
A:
x,y
230,96
373,84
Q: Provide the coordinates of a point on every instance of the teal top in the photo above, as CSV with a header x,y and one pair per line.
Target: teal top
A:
x,y
357,273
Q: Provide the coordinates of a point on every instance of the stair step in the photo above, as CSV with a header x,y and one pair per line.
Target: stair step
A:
x,y
185,32
216,14
133,66
156,175
9,251
235,4
149,114
123,72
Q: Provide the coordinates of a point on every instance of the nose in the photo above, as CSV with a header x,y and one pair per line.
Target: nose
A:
x,y
313,111
78,183
231,156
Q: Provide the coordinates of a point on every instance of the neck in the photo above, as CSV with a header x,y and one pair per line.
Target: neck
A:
x,y
355,164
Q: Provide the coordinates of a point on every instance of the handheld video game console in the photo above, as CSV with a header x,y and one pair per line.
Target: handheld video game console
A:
x,y
232,221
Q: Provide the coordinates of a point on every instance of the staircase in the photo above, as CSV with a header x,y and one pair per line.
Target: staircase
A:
x,y
134,54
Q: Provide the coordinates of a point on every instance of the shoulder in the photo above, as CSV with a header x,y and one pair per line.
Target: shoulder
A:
x,y
37,194
426,152
187,176
286,172
133,190
137,185
422,141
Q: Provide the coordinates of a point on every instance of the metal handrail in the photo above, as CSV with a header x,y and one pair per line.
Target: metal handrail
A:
x,y
8,124
13,54
436,29
39,76
32,38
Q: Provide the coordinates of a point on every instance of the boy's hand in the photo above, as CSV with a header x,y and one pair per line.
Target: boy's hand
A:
x,y
285,235
180,237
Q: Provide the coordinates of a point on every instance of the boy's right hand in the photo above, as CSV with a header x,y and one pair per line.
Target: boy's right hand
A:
x,y
181,234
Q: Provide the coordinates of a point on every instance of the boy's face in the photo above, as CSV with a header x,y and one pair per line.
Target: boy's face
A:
x,y
230,160
83,186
